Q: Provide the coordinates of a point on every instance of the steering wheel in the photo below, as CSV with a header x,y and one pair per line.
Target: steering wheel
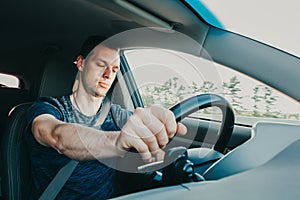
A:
x,y
180,110
198,102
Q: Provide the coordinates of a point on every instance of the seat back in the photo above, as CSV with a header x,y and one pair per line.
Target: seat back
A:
x,y
10,97
58,78
15,165
15,172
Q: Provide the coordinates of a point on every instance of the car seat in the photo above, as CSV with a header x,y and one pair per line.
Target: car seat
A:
x,y
15,174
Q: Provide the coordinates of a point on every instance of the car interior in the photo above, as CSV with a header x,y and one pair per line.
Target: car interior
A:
x,y
40,41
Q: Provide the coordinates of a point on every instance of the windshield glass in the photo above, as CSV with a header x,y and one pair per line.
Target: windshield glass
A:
x,y
271,22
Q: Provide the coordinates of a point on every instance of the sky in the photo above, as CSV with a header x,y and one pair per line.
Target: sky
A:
x,y
270,21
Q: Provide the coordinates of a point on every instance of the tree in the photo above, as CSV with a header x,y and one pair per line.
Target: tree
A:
x,y
257,99
167,94
264,102
232,90
206,87
173,91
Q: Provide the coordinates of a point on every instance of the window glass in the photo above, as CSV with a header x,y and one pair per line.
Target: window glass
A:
x,y
271,22
9,81
166,77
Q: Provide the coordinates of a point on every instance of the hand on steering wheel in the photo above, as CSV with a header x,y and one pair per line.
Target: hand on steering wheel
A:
x,y
133,163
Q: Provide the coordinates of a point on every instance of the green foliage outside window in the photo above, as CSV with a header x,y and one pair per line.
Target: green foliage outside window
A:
x,y
263,101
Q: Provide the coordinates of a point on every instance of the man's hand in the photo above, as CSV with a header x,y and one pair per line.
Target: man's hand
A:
x,y
148,130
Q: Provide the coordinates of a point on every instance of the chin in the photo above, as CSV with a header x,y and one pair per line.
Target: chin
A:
x,y
100,94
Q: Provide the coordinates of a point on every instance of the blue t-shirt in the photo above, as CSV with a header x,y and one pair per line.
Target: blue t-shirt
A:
x,y
90,179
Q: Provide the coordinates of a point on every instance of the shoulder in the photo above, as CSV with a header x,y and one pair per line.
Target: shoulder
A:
x,y
47,105
54,101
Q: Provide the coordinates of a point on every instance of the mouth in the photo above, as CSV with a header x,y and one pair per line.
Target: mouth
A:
x,y
103,85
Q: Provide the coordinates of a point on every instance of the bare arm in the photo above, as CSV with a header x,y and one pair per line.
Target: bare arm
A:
x,y
147,130
75,141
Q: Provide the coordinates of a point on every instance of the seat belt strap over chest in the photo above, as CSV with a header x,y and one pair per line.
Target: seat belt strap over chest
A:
x,y
59,181
66,171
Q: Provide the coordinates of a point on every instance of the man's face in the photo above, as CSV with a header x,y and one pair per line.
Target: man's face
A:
x,y
99,70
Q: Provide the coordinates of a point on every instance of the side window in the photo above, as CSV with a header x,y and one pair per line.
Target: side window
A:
x,y
9,81
12,93
166,77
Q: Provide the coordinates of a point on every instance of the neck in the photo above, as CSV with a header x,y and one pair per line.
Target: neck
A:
x,y
87,105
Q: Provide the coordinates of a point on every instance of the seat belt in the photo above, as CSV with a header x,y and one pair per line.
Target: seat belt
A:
x,y
59,181
66,171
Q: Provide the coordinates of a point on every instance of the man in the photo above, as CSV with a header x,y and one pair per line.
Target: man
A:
x,y
67,128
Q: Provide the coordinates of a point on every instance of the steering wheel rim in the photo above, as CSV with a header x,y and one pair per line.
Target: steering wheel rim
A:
x,y
134,163
201,101
182,110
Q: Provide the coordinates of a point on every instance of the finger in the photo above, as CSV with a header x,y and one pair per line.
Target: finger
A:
x,y
143,150
157,128
181,129
131,140
144,133
159,155
162,137
166,117
148,138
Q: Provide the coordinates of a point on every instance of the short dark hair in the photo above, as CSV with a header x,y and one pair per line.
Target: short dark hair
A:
x,y
90,43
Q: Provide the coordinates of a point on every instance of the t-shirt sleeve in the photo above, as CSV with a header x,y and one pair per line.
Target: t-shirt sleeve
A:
x,y
119,115
42,107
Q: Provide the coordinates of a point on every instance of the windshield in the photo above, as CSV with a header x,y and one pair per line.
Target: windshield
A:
x,y
271,22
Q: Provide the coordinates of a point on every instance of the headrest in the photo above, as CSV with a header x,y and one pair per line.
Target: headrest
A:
x,y
58,78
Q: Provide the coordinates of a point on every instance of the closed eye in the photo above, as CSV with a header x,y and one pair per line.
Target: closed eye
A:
x,y
100,64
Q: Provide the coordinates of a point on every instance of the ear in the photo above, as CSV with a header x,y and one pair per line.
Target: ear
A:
x,y
79,62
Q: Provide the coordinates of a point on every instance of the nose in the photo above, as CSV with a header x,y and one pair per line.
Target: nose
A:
x,y
108,72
